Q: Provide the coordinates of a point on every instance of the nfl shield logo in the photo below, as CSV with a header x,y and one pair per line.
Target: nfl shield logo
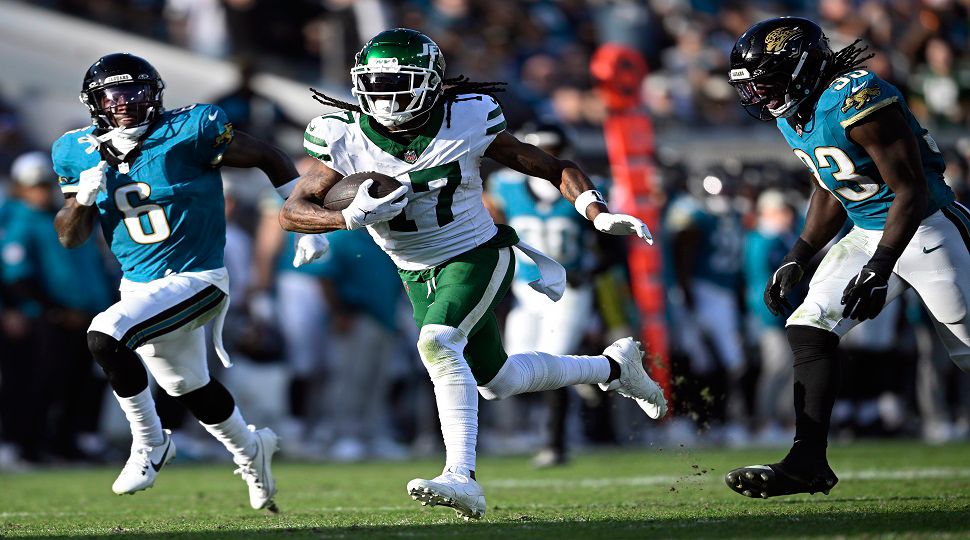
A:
x,y
410,156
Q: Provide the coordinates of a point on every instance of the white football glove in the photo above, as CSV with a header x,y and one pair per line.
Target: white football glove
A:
x,y
310,247
91,182
622,224
365,210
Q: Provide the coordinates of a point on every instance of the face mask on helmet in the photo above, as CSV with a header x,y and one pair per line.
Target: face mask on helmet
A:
x,y
393,99
767,97
126,105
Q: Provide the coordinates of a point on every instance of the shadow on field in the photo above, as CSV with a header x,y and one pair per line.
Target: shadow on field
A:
x,y
869,524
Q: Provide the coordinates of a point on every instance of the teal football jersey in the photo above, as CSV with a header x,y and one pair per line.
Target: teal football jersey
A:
x,y
555,229
843,167
166,214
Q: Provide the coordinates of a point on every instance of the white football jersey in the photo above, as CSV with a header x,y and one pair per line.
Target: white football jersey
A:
x,y
445,216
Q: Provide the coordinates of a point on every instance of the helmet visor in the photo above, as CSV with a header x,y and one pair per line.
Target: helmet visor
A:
x,y
126,105
386,83
760,96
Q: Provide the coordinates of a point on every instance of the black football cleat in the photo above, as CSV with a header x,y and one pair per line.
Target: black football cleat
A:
x,y
763,481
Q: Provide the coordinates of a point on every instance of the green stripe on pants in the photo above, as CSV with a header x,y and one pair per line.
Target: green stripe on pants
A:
x,y
462,293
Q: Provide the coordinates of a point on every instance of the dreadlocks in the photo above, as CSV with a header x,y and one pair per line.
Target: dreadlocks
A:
x,y
453,88
847,59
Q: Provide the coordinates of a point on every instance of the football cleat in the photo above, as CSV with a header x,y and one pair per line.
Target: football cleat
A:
x,y
634,382
143,465
763,481
256,471
453,490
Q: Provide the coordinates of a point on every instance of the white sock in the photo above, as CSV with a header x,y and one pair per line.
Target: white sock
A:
x,y
537,371
455,394
458,412
235,436
146,426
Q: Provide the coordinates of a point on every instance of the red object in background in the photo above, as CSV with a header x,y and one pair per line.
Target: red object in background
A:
x,y
619,73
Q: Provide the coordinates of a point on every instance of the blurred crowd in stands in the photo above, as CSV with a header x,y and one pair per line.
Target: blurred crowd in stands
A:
x,y
328,360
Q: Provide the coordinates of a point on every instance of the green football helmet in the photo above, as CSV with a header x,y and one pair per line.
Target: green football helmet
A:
x,y
398,76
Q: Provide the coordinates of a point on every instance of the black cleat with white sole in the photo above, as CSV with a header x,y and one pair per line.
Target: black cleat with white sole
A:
x,y
763,481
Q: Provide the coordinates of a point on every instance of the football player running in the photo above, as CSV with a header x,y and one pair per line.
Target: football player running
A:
x,y
430,134
877,166
151,177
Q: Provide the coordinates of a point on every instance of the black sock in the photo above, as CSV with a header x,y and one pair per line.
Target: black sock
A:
x,y
816,382
124,369
614,369
211,404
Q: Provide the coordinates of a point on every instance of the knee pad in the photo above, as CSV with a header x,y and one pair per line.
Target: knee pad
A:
x,y
121,365
102,345
442,351
210,404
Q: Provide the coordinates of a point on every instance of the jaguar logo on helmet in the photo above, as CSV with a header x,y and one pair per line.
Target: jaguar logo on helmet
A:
x,y
776,39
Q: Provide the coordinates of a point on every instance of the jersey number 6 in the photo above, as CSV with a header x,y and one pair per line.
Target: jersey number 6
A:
x,y
156,228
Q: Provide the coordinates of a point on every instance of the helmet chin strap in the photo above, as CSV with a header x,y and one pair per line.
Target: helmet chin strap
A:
x,y
122,140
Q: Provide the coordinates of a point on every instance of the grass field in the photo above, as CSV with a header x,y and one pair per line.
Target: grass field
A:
x,y
887,489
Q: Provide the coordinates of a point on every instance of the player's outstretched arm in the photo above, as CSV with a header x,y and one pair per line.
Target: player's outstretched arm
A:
x,y
891,144
74,222
532,160
246,151
303,211
572,182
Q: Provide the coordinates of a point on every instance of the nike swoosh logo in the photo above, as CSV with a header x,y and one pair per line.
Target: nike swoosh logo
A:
x,y
158,466
214,115
932,249
860,87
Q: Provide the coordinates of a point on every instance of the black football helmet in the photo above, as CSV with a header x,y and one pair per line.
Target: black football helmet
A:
x,y
777,64
122,90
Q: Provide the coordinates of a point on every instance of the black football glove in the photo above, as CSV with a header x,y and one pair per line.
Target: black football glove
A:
x,y
865,295
781,283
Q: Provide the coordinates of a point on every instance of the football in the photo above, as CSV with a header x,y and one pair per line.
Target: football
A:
x,y
344,191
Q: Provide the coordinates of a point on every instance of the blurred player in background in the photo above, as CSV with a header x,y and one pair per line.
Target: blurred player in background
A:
x,y
765,246
151,177
431,133
704,241
540,215
47,372
877,166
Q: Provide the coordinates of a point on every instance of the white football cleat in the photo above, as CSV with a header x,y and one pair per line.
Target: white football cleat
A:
x,y
453,490
143,465
634,382
256,472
